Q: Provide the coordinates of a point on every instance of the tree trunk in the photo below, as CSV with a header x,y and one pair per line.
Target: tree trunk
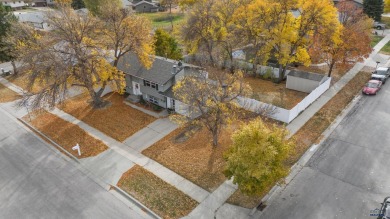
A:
x,y
215,138
330,68
282,71
170,15
14,67
97,100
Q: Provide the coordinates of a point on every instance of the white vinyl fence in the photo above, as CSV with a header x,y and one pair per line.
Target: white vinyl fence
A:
x,y
281,114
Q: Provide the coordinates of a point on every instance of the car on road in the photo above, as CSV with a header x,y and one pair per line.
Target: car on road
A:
x,y
372,87
379,26
381,74
384,213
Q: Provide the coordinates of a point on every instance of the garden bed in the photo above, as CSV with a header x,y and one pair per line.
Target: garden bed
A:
x,y
162,198
66,134
118,121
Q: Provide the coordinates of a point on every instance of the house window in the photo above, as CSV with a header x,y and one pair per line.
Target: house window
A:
x,y
150,84
153,99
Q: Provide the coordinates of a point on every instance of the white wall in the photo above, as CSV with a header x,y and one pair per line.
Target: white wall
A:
x,y
301,84
281,114
14,4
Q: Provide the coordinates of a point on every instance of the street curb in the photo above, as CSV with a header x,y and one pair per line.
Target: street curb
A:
x,y
135,202
298,166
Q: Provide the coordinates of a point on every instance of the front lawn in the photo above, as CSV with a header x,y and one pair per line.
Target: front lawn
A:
x,y
375,40
118,121
386,49
7,95
67,134
162,198
21,80
192,155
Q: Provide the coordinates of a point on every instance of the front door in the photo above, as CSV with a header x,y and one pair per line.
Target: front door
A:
x,y
136,88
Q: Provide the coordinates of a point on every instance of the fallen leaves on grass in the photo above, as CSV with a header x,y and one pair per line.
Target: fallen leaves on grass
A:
x,y
159,196
68,135
21,80
118,121
7,95
195,159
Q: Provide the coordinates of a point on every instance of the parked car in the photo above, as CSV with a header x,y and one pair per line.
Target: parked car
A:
x,y
379,26
372,87
384,213
381,74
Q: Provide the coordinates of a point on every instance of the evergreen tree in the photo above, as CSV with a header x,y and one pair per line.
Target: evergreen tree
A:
x,y
77,4
373,8
5,19
166,45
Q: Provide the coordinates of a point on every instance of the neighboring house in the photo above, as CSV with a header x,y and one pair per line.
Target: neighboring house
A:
x,y
155,84
35,19
14,5
145,6
358,3
41,3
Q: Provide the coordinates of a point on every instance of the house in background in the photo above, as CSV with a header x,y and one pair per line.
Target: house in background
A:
x,y
358,3
14,5
155,84
145,6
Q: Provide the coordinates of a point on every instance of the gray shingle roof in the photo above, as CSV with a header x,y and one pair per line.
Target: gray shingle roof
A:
x,y
306,75
160,72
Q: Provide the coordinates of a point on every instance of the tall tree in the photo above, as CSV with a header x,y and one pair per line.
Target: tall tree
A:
x,y
386,8
6,18
257,158
78,4
125,32
348,42
215,102
166,45
201,30
72,54
373,8
97,6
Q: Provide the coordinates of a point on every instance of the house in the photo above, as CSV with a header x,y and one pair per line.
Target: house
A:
x,y
42,3
358,3
14,5
144,6
35,19
155,84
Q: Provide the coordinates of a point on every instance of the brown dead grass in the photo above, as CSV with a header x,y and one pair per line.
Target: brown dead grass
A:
x,y
7,95
118,121
312,131
67,135
195,159
276,94
159,196
21,80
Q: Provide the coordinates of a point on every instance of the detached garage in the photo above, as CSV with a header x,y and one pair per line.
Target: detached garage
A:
x,y
304,81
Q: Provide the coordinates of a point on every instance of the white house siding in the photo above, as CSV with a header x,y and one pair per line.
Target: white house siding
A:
x,y
14,4
301,84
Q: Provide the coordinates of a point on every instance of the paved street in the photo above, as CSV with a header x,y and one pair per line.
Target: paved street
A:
x,y
349,175
37,182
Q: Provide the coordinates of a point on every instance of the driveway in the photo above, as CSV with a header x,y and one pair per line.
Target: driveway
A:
x,y
349,175
37,182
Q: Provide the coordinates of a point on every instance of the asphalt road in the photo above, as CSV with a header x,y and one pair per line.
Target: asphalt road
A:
x,y
37,182
349,175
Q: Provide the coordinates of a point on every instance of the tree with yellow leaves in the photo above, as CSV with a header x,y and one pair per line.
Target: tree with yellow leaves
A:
x,y
257,158
214,102
72,54
345,43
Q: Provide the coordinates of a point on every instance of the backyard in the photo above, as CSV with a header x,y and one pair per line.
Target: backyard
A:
x,y
163,19
118,121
